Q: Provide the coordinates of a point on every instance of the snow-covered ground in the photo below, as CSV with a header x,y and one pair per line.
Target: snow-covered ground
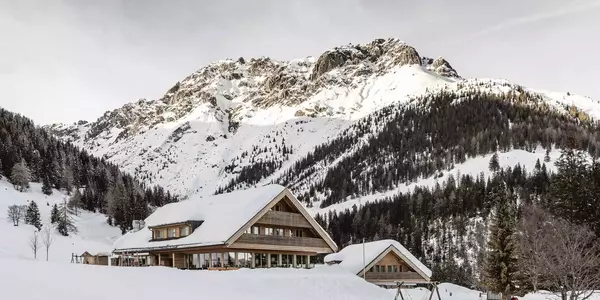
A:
x,y
95,235
450,291
27,279
22,279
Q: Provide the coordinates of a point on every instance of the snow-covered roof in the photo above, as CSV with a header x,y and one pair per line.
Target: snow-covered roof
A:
x,y
351,257
222,215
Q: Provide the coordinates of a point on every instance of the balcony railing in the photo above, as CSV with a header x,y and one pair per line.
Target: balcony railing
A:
x,y
393,276
286,219
282,240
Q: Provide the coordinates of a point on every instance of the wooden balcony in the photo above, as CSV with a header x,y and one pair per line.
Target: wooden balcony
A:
x,y
284,219
279,240
398,276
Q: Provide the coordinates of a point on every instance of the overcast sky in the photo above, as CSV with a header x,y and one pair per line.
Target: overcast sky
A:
x,y
62,61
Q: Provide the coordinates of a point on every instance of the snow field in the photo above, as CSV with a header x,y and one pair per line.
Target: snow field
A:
x,y
95,235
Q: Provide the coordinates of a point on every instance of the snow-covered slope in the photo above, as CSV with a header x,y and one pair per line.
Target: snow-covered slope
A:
x,y
23,279
94,235
266,114
473,167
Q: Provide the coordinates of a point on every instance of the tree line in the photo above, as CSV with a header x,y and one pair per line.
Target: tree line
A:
x,y
30,154
456,226
403,143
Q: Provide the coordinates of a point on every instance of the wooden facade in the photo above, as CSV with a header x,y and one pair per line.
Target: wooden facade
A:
x,y
282,234
392,268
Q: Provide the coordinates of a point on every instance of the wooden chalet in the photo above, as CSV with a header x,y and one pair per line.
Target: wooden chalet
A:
x,y
384,263
255,228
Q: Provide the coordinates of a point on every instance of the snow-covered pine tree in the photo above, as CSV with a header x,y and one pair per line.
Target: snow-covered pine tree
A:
x,y
20,176
32,215
54,214
500,271
494,163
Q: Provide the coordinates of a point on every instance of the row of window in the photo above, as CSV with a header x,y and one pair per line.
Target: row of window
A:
x,y
172,232
274,231
386,269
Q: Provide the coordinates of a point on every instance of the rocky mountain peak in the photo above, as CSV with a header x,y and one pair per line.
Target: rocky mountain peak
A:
x,y
231,89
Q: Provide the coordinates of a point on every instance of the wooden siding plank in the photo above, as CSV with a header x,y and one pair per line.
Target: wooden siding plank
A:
x,y
285,219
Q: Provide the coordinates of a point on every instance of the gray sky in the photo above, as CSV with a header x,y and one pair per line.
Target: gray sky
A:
x,y
66,60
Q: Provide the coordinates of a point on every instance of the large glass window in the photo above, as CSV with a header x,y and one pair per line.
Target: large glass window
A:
x,y
260,260
171,232
395,269
274,260
278,231
255,230
286,260
389,269
268,231
158,234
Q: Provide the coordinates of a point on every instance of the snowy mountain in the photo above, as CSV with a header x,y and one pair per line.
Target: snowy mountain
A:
x,y
244,122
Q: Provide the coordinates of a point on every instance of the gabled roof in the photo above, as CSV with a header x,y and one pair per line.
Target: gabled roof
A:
x,y
351,257
222,215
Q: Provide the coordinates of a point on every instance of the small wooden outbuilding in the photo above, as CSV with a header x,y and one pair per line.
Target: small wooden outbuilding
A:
x,y
99,258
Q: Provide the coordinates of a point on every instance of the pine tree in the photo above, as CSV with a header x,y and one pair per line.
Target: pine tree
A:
x,y
570,189
20,176
54,214
66,224
501,268
75,202
494,163
32,215
547,155
46,187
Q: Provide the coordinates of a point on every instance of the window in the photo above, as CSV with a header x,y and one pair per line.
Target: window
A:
x,y
171,232
268,231
276,207
389,269
376,268
183,231
255,230
158,234
395,269
298,233
278,231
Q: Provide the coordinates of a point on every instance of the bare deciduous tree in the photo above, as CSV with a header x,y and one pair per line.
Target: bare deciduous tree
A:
x,y
571,259
532,229
13,214
16,213
47,238
559,255
34,243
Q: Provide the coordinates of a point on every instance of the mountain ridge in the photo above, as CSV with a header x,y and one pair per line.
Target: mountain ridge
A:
x,y
250,115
